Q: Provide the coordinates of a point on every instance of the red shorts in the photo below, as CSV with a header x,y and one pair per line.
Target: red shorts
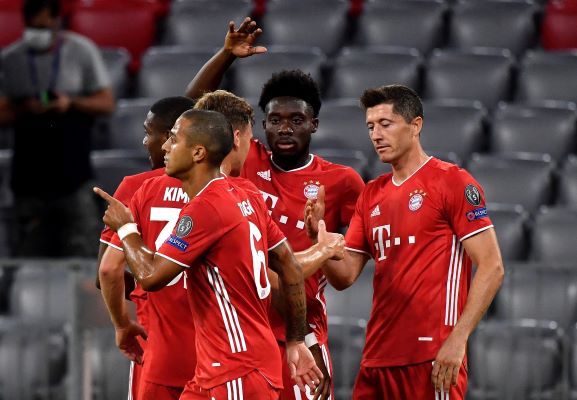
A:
x,y
154,391
134,380
251,386
291,391
407,382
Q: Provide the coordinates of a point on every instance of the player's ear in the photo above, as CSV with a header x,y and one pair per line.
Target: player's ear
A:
x,y
315,122
199,153
417,125
236,139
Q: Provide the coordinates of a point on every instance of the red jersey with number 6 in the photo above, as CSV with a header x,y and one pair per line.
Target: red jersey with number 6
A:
x,y
414,231
168,360
222,239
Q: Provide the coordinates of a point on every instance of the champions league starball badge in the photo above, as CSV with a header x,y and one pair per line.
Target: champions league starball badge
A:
x,y
416,200
472,195
311,190
184,226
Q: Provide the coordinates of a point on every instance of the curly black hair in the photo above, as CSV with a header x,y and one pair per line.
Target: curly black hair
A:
x,y
293,83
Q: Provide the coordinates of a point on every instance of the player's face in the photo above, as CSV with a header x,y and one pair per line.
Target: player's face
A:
x,y
391,135
289,125
178,154
244,144
154,137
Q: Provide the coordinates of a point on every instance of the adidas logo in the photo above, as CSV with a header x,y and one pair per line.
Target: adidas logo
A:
x,y
264,174
376,212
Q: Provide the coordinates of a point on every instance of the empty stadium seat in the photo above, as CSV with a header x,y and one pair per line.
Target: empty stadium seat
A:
x,y
553,235
166,71
480,74
524,179
342,125
202,23
503,24
110,166
357,69
515,361
510,224
287,24
126,124
568,183
252,73
351,158
356,301
538,129
453,126
548,76
12,25
558,26
409,23
117,61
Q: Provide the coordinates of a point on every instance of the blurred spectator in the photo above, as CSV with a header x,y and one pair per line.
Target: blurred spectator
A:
x,y
56,83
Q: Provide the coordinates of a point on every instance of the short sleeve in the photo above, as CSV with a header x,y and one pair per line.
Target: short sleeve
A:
x,y
355,237
274,234
354,188
465,206
198,228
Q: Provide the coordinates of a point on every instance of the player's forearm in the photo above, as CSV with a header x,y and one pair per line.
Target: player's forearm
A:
x,y
343,273
312,259
140,260
101,250
112,290
210,75
99,103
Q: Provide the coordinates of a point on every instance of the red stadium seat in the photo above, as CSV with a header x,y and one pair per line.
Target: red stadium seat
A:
x,y
559,22
70,6
12,25
119,26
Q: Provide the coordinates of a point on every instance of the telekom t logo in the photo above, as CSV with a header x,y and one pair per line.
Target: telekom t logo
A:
x,y
382,239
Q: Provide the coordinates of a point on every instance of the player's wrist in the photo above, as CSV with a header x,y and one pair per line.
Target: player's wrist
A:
x,y
311,340
127,229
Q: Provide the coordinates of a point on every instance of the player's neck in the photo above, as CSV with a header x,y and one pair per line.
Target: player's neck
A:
x,y
198,180
408,165
291,162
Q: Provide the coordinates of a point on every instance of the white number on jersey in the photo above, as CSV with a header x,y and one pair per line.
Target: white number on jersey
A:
x,y
170,216
258,263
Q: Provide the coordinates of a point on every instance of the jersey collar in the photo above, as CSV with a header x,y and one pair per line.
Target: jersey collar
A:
x,y
410,176
309,162
209,182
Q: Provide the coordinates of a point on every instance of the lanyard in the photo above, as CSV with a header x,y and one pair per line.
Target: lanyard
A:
x,y
55,69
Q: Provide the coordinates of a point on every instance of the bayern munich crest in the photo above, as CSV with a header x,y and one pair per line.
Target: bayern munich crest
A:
x,y
416,200
311,190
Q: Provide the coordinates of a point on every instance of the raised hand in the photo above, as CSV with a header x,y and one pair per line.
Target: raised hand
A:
x,y
314,212
304,370
127,341
240,42
333,243
117,214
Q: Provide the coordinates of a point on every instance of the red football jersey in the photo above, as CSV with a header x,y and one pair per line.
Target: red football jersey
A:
x,y
222,238
169,360
286,193
414,231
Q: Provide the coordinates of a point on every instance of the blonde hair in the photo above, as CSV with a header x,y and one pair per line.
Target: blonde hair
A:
x,y
236,109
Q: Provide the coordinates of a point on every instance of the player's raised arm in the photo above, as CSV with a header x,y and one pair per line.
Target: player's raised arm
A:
x,y
152,273
238,43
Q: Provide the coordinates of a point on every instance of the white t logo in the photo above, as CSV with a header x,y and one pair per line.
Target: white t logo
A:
x,y
379,242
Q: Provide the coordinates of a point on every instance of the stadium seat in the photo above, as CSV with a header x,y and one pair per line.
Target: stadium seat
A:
x,y
548,76
199,23
524,179
355,302
356,69
110,166
342,125
166,71
126,124
252,73
536,129
515,361
558,26
110,369
510,224
117,61
480,74
573,364
502,24
287,24
132,28
6,197
351,158
568,183
553,235
453,126
409,23
12,25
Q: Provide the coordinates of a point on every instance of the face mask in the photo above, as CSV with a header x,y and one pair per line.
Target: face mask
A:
x,y
38,38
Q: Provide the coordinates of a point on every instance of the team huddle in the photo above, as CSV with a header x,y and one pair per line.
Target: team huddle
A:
x,y
230,245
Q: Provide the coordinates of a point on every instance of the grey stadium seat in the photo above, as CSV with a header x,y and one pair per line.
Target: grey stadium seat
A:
x,y
356,301
453,126
540,293
525,179
357,69
126,124
117,60
510,224
202,23
548,76
553,235
537,129
342,125
252,73
110,369
314,25
408,23
166,71
479,74
509,25
515,361
568,182
110,166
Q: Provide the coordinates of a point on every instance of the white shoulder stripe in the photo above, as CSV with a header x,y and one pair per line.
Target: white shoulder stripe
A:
x,y
474,233
111,245
358,251
278,244
172,259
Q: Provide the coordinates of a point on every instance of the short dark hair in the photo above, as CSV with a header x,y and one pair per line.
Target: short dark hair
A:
x,y
405,101
293,83
166,111
211,129
236,109
31,8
